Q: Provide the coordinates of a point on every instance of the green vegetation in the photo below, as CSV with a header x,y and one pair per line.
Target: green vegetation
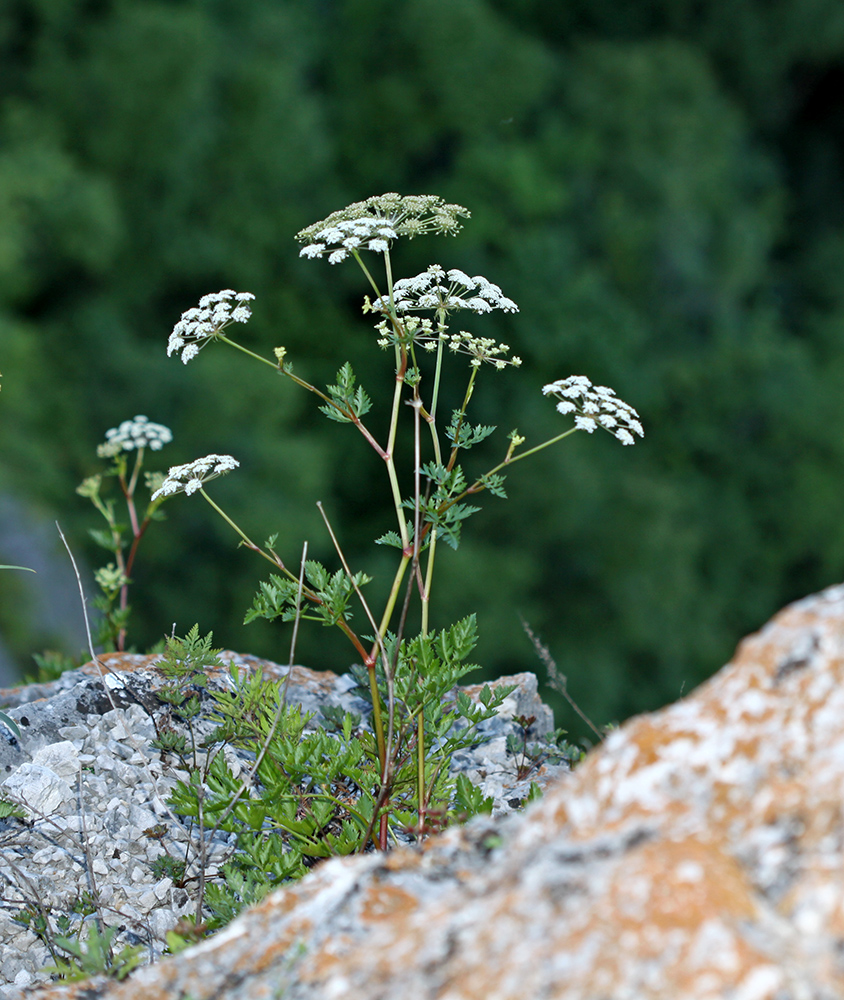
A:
x,y
312,794
82,947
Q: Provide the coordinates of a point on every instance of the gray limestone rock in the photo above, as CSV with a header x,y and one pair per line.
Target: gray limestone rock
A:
x,y
95,796
697,854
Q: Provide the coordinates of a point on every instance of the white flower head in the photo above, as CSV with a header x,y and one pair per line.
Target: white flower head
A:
x,y
193,476
443,291
373,224
133,435
481,349
206,322
413,330
595,406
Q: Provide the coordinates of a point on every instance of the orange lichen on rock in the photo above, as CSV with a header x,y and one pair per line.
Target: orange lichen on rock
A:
x,y
698,854
386,902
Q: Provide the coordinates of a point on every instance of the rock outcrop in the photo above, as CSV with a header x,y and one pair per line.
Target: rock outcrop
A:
x,y
96,832
697,855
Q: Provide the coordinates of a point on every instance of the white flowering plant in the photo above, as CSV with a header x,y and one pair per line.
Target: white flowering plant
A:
x,y
132,438
407,677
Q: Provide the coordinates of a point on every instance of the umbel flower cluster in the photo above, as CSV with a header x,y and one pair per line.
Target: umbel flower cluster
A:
x,y
595,406
191,477
374,223
444,291
133,435
408,676
207,321
422,332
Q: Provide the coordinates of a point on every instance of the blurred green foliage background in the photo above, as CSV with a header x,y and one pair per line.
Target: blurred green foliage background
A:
x,y
657,183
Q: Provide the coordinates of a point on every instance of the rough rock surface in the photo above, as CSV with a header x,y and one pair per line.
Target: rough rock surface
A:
x,y
95,791
699,853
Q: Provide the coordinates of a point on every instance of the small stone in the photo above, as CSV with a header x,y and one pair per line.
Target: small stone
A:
x,y
123,794
147,900
119,731
73,733
61,758
162,888
41,789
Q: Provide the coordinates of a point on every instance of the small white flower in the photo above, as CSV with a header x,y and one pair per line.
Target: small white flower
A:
x,y
480,349
377,221
348,235
595,406
204,323
135,434
191,477
437,290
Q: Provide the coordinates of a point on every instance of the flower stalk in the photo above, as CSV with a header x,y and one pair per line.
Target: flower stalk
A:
x,y
414,319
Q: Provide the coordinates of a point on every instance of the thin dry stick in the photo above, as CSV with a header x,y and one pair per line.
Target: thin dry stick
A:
x,y
388,674
203,851
89,861
378,637
296,621
84,863
44,913
425,597
135,744
557,680
247,781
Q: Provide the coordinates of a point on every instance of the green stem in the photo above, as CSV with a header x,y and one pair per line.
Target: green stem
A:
x,y
441,328
353,418
247,541
129,491
252,354
401,366
424,598
311,596
370,665
470,388
365,270
510,460
388,268
478,485
391,600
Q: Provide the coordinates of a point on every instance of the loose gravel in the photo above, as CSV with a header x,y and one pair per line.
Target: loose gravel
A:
x,y
95,794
